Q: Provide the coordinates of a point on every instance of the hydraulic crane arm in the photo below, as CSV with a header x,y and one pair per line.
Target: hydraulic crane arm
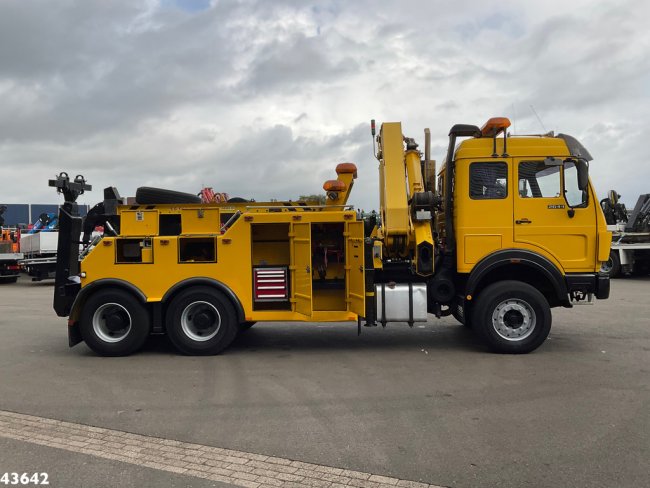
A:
x,y
406,206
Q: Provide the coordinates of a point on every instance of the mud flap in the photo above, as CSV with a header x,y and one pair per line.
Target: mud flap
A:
x,y
74,334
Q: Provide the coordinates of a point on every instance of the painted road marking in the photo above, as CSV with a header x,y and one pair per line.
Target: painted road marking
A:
x,y
213,463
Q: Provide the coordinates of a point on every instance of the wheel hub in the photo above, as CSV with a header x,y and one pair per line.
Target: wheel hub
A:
x,y
111,322
200,321
203,320
116,320
514,319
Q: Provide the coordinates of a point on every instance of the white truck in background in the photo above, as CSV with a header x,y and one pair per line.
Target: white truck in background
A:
x,y
630,250
39,251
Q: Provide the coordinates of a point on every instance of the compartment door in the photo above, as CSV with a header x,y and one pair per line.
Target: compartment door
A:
x,y
354,269
301,268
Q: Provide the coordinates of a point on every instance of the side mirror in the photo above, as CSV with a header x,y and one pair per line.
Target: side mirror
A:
x,y
583,174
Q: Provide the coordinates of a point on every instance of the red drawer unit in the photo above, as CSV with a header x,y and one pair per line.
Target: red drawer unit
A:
x,y
270,284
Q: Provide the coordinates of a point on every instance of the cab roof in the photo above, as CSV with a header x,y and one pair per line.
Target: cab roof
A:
x,y
516,147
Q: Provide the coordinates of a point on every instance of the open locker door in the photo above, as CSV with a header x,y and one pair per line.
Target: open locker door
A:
x,y
301,268
354,272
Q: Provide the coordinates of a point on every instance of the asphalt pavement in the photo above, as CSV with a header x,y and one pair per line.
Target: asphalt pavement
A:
x,y
428,403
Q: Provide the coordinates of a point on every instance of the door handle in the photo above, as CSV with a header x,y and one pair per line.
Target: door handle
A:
x,y
523,221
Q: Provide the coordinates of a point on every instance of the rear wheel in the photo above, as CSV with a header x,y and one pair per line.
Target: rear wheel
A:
x,y
201,321
512,317
114,323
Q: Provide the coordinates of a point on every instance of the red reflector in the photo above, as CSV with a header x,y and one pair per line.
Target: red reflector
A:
x,y
13,266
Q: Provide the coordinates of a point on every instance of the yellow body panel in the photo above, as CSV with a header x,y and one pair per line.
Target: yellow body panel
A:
x,y
139,222
354,267
542,225
200,220
259,237
301,268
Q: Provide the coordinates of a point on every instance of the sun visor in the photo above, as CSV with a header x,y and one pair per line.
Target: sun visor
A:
x,y
576,149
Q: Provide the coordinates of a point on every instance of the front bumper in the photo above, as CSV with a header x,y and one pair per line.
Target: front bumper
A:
x,y
596,284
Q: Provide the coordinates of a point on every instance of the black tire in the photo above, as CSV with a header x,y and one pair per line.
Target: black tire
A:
x,y
201,321
146,195
245,326
114,323
512,317
237,200
612,265
7,280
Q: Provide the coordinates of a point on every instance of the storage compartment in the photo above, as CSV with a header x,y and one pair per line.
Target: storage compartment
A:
x,y
169,224
270,284
129,251
271,255
200,221
270,244
197,250
404,302
139,222
328,266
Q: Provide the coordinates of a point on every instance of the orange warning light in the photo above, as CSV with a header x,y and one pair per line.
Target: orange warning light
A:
x,y
334,185
495,126
345,168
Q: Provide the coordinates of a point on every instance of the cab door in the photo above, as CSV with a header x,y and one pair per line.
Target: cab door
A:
x,y
483,209
301,268
542,217
354,269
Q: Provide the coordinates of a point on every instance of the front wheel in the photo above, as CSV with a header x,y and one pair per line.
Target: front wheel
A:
x,y
512,317
114,323
201,321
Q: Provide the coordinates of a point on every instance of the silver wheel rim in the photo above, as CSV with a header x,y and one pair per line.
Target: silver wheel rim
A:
x,y
101,328
514,319
194,330
606,267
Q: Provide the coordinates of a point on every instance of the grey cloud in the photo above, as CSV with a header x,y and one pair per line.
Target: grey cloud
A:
x,y
263,99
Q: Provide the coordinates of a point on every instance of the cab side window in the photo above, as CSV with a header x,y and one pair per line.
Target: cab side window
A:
x,y
488,181
536,180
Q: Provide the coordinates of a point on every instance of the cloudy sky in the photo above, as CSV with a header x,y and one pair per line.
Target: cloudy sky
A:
x,y
263,98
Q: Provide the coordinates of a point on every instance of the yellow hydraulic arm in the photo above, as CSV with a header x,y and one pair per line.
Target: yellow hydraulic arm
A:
x,y
406,225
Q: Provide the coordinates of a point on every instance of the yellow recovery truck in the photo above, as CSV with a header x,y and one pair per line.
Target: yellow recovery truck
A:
x,y
513,229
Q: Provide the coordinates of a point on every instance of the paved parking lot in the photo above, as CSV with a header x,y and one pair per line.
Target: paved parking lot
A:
x,y
428,404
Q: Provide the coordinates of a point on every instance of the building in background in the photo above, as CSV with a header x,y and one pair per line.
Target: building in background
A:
x,y
27,213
